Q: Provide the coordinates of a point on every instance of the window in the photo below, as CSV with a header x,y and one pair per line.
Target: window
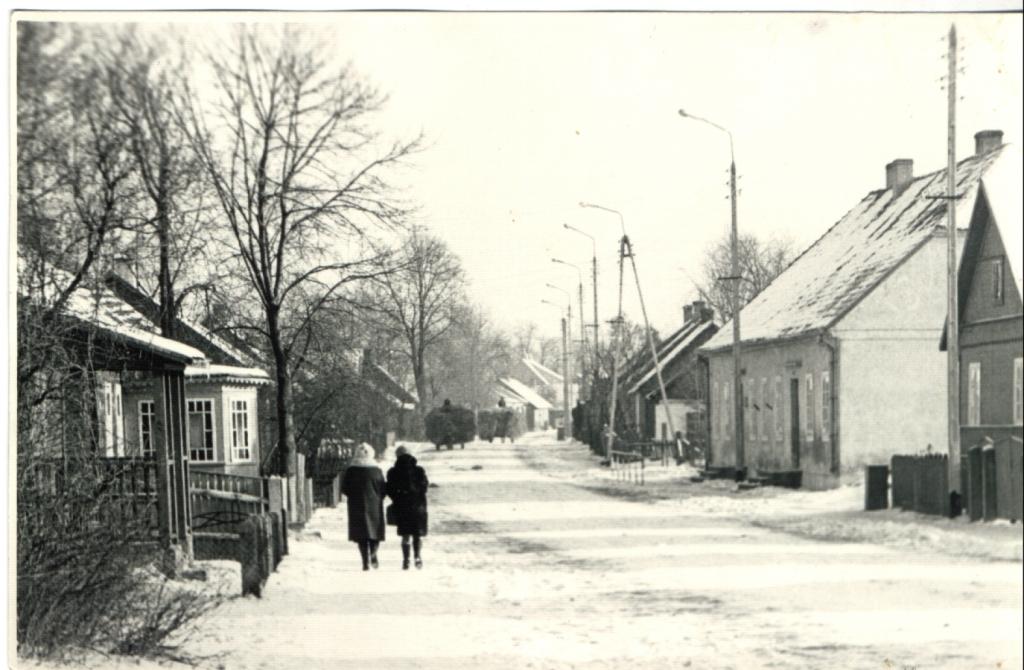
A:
x,y
147,418
997,280
1018,400
716,409
826,407
240,450
763,426
727,412
778,407
200,430
748,410
974,394
809,408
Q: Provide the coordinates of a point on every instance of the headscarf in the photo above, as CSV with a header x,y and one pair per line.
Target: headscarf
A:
x,y
400,450
364,456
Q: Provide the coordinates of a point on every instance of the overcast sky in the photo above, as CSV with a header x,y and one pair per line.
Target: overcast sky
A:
x,y
526,115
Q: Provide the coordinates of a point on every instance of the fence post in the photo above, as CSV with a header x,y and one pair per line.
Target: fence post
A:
x,y
975,504
988,482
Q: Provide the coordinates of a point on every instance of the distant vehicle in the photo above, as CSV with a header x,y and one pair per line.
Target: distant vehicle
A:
x,y
500,423
450,425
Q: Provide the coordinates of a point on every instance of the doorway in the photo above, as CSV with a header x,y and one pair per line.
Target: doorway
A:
x,y
794,422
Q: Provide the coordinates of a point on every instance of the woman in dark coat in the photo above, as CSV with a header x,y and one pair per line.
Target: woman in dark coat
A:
x,y
407,488
364,487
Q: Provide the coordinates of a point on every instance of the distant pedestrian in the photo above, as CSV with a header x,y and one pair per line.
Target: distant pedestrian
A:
x,y
364,487
407,488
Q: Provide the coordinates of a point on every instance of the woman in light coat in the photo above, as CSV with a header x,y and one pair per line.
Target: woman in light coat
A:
x,y
363,485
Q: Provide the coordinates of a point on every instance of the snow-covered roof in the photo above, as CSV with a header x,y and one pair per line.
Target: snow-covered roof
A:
x,y
395,392
856,254
679,344
525,392
1003,191
546,375
98,307
227,373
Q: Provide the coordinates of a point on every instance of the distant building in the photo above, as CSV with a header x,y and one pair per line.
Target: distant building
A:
x,y
545,381
684,378
991,315
839,363
523,399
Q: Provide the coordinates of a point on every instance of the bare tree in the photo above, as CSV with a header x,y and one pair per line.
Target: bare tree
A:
x,y
760,262
467,364
297,174
418,303
141,78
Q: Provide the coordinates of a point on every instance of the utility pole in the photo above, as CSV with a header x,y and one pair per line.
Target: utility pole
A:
x,y
616,330
567,423
953,310
737,369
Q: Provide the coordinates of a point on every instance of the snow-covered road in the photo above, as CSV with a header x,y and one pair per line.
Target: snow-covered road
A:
x,y
527,570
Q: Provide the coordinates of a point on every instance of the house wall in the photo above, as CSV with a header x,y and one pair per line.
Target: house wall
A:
x,y
992,336
892,376
768,424
221,394
678,409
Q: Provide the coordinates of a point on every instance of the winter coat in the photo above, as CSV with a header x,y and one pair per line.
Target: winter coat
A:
x,y
364,486
407,488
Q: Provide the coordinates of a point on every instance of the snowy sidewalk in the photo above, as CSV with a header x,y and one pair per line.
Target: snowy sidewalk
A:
x,y
528,570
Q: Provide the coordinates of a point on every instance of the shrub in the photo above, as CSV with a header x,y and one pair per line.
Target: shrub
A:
x,y
454,425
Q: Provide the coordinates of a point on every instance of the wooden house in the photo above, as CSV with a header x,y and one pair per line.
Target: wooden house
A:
x,y
684,378
222,397
839,367
991,317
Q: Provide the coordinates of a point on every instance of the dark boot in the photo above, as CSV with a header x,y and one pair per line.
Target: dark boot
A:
x,y
405,555
364,553
417,544
373,554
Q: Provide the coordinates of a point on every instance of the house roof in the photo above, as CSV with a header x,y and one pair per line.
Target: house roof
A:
x,y
382,381
1002,191
99,308
855,255
679,344
525,392
216,348
546,375
227,374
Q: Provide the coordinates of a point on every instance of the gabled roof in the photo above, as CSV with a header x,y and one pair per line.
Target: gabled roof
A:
x,y
525,392
682,342
1002,185
97,307
546,375
216,348
855,255
383,382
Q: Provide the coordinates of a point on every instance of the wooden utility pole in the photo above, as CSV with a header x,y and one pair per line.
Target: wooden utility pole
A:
x,y
567,421
952,310
737,369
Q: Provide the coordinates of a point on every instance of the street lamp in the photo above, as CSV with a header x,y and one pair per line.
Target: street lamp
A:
x,y
735,279
583,333
597,324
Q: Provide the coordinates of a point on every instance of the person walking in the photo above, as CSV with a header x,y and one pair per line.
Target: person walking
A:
x,y
407,487
364,487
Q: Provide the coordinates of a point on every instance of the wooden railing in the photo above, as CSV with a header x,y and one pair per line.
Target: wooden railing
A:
x,y
221,501
628,466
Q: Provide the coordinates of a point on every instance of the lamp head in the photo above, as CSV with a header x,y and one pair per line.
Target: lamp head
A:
x,y
682,113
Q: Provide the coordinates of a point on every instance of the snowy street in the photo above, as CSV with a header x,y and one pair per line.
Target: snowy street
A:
x,y
526,570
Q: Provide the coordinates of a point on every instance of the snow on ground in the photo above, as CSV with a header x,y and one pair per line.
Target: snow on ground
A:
x,y
836,515
538,559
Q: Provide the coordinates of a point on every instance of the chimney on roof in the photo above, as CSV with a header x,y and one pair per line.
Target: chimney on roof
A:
x,y
899,173
987,140
697,311
687,314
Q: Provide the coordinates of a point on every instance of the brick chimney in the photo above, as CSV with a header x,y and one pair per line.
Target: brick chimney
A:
x,y
687,314
987,140
697,311
899,173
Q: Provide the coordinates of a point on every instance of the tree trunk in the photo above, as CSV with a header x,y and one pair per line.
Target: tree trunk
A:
x,y
285,424
167,307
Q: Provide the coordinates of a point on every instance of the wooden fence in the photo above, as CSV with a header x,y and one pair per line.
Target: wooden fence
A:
x,y
628,466
992,480
921,483
222,501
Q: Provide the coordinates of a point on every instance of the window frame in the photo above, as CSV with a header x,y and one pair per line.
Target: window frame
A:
x,y
151,415
779,407
997,276
1018,392
233,413
810,407
973,409
825,406
210,430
